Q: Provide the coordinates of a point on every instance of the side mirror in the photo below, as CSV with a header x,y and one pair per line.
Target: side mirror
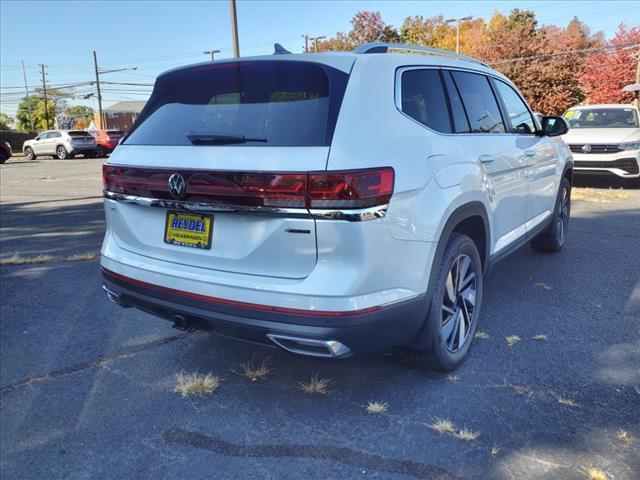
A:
x,y
554,126
37,138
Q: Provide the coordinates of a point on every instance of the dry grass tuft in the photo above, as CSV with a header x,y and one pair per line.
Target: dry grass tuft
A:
x,y
377,407
543,285
481,335
453,378
567,402
442,425
255,371
16,259
316,385
466,435
512,340
540,337
495,450
195,384
595,474
625,437
597,195
79,257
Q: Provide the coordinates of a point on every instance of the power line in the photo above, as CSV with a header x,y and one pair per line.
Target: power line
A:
x,y
569,52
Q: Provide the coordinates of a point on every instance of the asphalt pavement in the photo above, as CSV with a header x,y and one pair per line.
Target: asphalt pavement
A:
x,y
86,388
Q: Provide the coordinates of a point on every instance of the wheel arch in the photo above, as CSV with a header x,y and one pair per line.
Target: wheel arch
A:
x,y
470,219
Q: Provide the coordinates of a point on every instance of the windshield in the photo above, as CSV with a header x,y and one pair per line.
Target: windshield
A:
x,y
258,103
602,118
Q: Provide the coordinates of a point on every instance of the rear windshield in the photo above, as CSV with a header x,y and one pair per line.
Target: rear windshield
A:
x,y
79,133
115,132
267,103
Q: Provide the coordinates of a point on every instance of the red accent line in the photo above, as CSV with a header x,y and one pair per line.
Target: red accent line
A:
x,y
235,303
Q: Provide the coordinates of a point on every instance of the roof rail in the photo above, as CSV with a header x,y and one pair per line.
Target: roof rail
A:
x,y
384,47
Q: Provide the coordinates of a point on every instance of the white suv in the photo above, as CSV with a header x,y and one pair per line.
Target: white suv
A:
x,y
605,139
331,203
61,144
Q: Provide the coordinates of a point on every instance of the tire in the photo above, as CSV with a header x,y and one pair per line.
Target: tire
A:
x,y
91,154
3,157
554,237
455,308
61,153
29,153
100,151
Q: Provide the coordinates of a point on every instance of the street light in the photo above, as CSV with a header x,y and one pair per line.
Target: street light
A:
x,y
458,21
211,52
315,42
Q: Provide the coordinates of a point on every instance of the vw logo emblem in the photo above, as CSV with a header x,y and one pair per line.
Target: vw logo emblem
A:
x,y
586,148
177,186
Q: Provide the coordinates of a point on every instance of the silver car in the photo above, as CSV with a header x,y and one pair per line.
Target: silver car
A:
x,y
60,143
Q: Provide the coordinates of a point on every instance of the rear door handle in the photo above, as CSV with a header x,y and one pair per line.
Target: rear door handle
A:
x,y
486,158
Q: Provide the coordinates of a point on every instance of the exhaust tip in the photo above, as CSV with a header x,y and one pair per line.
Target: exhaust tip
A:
x,y
113,296
310,347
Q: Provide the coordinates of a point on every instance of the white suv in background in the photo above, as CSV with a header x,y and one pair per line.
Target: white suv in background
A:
x,y
605,139
331,203
61,144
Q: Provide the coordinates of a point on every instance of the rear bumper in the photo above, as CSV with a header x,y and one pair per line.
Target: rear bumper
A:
x,y
363,331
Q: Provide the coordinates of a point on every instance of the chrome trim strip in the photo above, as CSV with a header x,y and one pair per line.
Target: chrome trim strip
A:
x,y
333,348
358,215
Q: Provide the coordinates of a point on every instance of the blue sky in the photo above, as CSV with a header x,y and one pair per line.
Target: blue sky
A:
x,y
156,35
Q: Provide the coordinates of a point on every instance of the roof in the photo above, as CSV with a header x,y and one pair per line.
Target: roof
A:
x,y
133,107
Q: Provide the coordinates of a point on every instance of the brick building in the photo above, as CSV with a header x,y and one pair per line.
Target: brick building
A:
x,y
120,116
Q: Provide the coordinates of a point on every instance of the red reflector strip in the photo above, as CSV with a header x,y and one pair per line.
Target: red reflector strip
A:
x,y
235,303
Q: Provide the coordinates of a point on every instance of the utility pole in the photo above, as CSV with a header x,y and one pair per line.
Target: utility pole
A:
x,y
95,64
46,103
458,21
306,43
234,29
211,52
315,42
24,75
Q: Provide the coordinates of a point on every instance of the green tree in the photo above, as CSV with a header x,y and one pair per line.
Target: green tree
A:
x,y
37,112
79,112
5,121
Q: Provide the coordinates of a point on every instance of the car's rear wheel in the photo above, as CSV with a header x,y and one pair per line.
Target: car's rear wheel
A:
x,y
61,153
455,307
29,153
554,237
3,157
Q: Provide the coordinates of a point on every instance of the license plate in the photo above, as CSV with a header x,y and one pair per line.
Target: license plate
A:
x,y
188,230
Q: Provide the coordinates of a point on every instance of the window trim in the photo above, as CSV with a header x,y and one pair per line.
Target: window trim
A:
x,y
505,112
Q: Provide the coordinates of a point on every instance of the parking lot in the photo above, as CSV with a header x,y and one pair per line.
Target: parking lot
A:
x,y
87,388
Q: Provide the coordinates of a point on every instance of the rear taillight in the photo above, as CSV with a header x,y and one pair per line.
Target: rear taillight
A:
x,y
351,189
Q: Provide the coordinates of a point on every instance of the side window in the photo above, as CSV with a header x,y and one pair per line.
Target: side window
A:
x,y
460,121
44,136
55,135
519,116
423,99
479,102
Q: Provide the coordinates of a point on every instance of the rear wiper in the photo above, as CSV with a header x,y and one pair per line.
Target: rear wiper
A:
x,y
215,139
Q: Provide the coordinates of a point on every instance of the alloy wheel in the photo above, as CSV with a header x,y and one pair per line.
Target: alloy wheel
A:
x,y
459,302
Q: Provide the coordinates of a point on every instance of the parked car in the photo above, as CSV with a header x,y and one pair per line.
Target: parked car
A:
x,y
332,203
5,151
60,143
106,140
605,139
